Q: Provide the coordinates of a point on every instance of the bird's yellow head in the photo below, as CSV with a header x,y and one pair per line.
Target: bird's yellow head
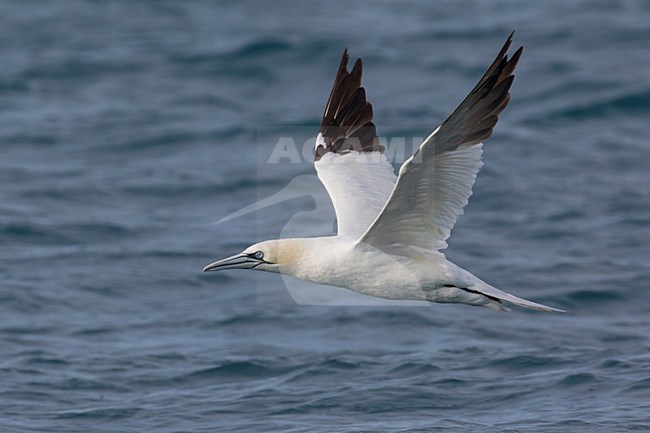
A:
x,y
270,256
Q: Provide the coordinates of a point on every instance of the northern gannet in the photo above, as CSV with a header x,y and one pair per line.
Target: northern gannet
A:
x,y
391,228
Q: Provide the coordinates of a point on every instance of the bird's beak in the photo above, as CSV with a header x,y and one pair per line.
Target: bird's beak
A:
x,y
238,261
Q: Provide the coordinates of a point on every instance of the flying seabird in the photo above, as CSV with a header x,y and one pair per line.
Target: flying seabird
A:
x,y
391,229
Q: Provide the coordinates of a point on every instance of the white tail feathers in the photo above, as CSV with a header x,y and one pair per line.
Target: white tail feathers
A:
x,y
486,289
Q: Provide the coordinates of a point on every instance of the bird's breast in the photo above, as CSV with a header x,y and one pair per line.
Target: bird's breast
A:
x,y
373,272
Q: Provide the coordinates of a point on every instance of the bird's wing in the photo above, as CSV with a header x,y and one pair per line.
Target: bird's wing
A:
x,y
434,185
348,157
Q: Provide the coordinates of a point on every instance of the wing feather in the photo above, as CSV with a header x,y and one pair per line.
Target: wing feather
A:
x,y
347,121
435,184
348,157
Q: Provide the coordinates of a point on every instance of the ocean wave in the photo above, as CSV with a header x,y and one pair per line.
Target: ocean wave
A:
x,y
103,413
250,49
232,371
527,362
635,103
577,379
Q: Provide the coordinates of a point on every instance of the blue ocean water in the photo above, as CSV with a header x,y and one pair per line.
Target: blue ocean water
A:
x,y
128,128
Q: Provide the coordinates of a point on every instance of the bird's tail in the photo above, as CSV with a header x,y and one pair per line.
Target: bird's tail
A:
x,y
493,292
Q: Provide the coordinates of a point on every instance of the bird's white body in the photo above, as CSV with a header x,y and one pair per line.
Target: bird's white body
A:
x,y
345,262
391,227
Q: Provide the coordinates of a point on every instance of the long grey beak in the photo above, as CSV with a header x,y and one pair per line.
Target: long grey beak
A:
x,y
238,261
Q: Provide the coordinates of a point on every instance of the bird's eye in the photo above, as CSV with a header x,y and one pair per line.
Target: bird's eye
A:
x,y
259,255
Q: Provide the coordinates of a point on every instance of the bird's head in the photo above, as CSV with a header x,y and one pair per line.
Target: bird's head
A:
x,y
270,256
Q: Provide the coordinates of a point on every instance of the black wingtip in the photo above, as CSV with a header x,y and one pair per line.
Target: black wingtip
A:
x,y
347,120
357,68
474,119
344,59
515,57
